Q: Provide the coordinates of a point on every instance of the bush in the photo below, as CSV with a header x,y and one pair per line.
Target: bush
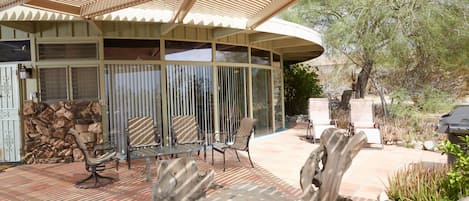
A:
x,y
458,176
301,83
417,182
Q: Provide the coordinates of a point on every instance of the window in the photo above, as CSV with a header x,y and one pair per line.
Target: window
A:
x,y
67,51
232,53
127,49
85,83
15,51
55,84
260,56
188,51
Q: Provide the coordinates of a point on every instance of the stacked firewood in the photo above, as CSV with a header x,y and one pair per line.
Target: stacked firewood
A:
x,y
46,127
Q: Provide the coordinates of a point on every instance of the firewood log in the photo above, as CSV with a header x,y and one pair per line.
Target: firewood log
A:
x,y
29,108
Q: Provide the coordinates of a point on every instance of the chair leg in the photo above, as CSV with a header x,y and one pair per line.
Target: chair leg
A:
x,y
128,160
236,151
224,160
117,164
212,156
96,177
249,155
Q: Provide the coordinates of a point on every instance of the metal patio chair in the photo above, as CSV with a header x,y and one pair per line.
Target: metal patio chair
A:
x,y
141,134
240,143
93,164
186,130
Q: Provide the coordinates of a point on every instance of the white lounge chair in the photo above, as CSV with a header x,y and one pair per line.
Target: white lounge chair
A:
x,y
319,116
361,118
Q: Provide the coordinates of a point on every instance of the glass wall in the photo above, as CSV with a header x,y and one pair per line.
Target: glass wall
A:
x,y
189,92
232,101
261,104
127,49
277,93
188,51
133,90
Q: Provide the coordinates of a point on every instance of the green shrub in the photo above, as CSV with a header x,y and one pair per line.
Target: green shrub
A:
x,y
301,83
418,183
458,176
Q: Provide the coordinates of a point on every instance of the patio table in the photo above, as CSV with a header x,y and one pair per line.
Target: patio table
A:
x,y
151,152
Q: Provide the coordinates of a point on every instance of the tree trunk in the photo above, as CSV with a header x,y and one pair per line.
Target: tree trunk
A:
x,y
363,77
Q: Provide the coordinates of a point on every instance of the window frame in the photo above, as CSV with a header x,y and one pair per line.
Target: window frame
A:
x,y
69,82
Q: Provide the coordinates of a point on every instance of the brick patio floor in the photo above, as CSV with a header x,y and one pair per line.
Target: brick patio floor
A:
x,y
278,159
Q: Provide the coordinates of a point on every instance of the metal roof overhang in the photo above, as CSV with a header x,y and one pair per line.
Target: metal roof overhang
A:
x,y
253,17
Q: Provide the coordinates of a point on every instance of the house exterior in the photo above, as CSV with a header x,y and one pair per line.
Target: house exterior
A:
x,y
211,59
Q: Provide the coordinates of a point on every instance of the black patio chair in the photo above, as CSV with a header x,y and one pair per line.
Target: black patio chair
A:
x,y
93,164
240,143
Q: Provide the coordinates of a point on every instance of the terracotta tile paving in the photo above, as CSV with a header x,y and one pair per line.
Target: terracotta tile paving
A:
x,y
278,159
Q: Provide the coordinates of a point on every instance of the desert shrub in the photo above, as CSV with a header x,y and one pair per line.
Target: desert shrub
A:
x,y
417,182
415,115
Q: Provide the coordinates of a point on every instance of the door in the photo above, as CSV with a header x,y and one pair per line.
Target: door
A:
x,y
10,134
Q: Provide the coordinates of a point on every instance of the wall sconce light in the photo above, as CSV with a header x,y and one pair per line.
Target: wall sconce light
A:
x,y
25,73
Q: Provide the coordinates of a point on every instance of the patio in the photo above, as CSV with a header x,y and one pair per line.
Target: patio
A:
x,y
278,159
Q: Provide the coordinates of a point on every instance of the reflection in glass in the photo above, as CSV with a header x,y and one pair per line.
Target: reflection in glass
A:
x,y
67,51
277,98
190,92
128,49
232,101
15,51
231,53
261,91
133,90
188,51
260,56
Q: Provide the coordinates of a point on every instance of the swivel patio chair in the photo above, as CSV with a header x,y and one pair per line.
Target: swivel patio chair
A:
x,y
186,131
141,134
318,117
93,164
240,143
361,119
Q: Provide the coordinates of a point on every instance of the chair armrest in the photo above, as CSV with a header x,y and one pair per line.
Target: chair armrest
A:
x,y
104,147
220,136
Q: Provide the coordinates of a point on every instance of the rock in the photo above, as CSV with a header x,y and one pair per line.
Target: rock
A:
x,y
383,196
418,145
428,145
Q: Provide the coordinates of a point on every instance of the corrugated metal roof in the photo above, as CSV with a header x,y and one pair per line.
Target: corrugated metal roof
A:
x,y
297,42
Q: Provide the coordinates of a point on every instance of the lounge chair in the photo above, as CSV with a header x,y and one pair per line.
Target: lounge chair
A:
x,y
141,134
240,143
319,117
93,164
186,131
361,119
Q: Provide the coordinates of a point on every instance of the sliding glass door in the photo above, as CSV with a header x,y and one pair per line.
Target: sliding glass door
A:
x,y
133,90
261,100
232,97
190,92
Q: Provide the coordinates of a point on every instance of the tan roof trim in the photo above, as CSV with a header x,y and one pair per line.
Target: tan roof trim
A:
x,y
53,6
6,4
101,7
274,8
